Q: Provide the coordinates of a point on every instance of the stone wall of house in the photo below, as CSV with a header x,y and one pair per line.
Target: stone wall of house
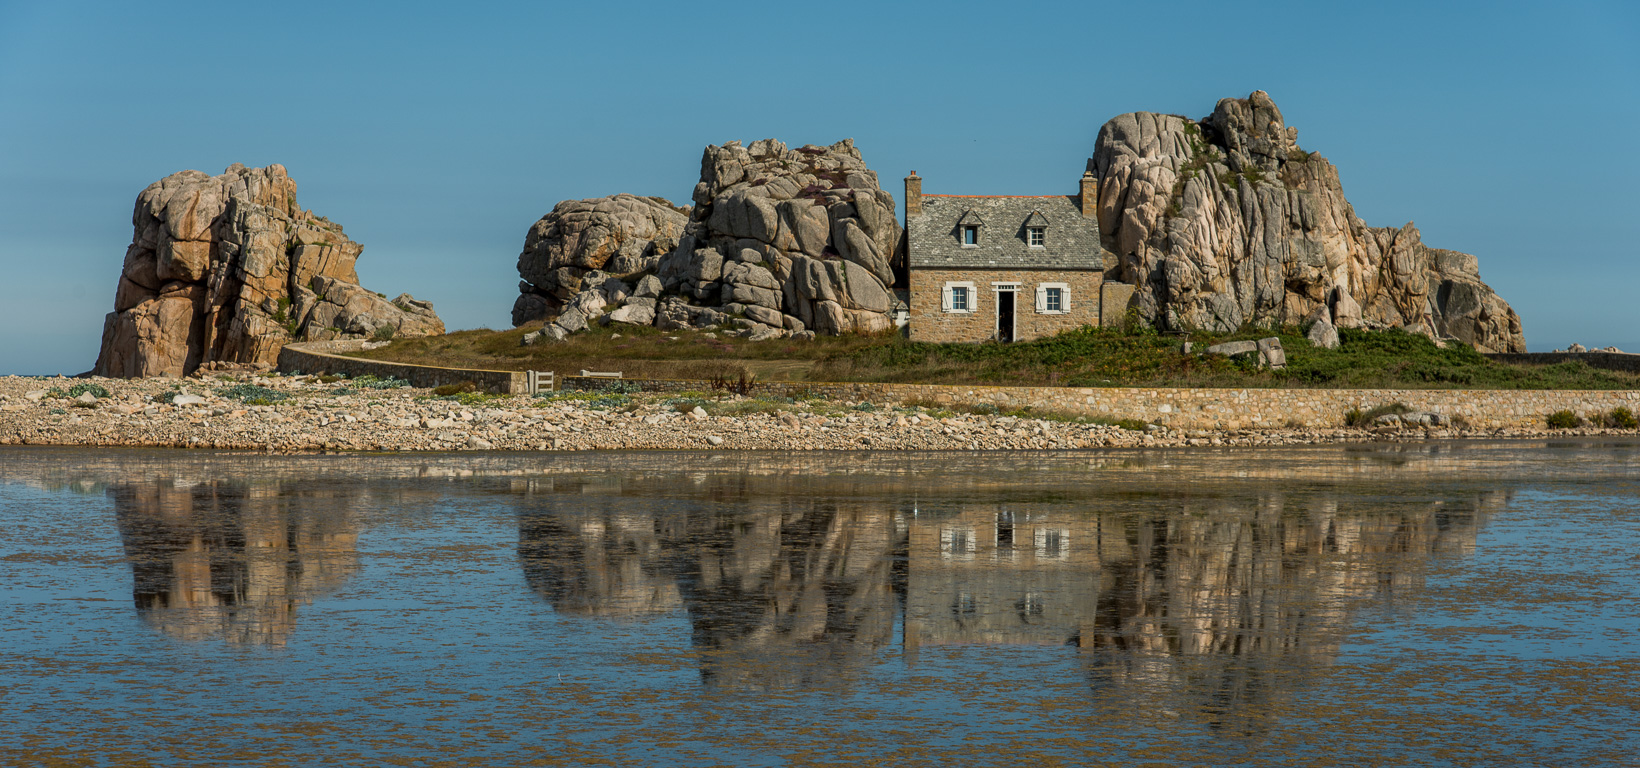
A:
x,y
930,323
1195,408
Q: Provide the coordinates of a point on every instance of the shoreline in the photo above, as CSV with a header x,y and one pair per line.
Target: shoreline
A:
x,y
304,414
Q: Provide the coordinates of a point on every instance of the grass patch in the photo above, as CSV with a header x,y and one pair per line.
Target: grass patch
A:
x,y
473,398
1086,357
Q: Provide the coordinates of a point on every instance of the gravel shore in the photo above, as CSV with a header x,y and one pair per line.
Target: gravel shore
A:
x,y
303,413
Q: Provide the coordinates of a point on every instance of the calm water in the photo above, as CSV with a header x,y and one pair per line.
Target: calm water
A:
x,y
1460,604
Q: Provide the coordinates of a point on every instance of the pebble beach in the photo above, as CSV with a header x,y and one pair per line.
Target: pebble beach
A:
x,y
309,413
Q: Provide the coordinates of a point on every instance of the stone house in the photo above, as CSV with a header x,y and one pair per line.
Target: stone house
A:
x,y
1003,267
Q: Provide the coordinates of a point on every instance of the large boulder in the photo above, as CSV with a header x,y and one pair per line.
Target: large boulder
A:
x,y
806,231
228,269
621,235
787,238
1226,221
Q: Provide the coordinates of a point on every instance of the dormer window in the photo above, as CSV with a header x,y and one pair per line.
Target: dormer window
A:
x,y
968,229
1036,230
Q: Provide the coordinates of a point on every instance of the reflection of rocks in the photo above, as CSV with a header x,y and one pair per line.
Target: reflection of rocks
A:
x,y
222,560
777,595
789,583
601,565
793,597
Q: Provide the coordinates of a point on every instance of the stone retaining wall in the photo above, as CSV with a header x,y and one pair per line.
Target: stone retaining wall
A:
x,y
1197,408
330,357
1611,361
1253,408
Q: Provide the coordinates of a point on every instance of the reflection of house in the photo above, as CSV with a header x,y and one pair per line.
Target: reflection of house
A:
x,y
1004,574
230,561
796,581
1003,267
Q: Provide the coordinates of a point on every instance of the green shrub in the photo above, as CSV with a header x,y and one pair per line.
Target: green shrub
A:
x,y
384,333
1563,420
168,396
471,398
86,386
1623,418
369,381
251,394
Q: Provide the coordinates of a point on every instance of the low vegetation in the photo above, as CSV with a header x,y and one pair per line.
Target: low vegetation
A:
x,y
1617,418
251,394
1563,420
1089,357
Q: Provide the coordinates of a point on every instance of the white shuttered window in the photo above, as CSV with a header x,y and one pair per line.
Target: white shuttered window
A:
x,y
1053,298
958,297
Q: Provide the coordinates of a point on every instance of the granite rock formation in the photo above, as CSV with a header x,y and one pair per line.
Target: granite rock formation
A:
x,y
227,270
623,234
1226,221
780,242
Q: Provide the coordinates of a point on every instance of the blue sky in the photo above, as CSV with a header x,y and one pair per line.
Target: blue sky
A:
x,y
437,133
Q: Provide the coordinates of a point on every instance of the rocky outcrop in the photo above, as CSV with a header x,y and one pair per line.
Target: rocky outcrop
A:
x,y
621,235
779,242
227,269
1226,221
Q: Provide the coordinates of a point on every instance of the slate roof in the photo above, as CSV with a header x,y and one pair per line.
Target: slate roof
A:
x,y
1071,241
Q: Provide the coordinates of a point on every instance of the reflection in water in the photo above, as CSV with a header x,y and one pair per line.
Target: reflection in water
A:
x,y
231,560
1216,598
1167,607
791,592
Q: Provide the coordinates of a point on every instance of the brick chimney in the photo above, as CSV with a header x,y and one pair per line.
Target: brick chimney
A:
x,y
913,195
1090,195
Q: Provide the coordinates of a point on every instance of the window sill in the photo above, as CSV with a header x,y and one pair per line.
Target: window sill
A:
x,y
967,245
958,311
